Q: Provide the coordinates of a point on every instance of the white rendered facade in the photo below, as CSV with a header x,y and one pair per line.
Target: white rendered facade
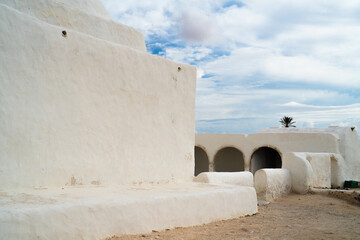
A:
x,y
78,109
337,145
96,135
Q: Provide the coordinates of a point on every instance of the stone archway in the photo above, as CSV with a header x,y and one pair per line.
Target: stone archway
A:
x,y
201,161
265,157
229,159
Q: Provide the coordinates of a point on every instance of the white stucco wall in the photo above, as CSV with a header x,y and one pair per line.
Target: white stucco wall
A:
x,y
321,166
88,17
338,169
92,108
342,142
82,110
91,7
300,171
271,184
282,142
95,213
327,169
350,151
234,178
348,145
308,170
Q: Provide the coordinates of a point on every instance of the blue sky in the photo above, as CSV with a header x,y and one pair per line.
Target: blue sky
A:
x,y
258,60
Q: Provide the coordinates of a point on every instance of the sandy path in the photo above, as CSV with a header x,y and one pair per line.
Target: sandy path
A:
x,y
292,217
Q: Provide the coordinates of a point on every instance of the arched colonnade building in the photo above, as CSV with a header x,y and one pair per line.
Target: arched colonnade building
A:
x,y
251,152
231,159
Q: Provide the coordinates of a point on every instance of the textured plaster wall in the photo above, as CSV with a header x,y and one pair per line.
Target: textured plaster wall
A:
x,y
300,171
96,213
337,170
327,169
234,178
350,150
271,184
91,7
82,110
91,107
88,17
321,166
315,170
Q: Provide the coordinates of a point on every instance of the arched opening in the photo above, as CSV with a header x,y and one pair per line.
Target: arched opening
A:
x,y
229,159
265,157
201,161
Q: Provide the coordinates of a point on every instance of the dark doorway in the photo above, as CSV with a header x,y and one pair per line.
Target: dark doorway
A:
x,y
201,161
265,157
229,159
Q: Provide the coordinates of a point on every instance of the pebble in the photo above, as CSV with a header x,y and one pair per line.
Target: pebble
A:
x,y
262,203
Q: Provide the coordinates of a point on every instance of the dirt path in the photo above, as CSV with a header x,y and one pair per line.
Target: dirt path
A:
x,y
292,217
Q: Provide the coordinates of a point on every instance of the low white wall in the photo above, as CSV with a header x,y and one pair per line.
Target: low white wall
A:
x,y
300,171
327,169
337,170
234,178
350,151
271,184
321,166
95,213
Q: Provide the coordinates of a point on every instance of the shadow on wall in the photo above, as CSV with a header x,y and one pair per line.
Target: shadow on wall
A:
x,y
201,161
265,157
229,159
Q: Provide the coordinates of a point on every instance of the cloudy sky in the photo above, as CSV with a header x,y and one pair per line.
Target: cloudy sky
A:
x,y
258,60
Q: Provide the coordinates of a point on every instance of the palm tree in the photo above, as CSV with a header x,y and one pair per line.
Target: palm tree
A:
x,y
287,122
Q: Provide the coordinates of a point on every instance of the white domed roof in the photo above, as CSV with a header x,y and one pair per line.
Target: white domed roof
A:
x,y
93,7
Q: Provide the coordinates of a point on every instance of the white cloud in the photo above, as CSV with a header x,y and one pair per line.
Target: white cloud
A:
x,y
197,26
246,62
309,70
240,25
300,52
199,73
263,102
187,54
147,16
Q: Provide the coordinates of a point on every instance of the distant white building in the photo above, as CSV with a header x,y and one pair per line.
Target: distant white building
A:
x,y
268,148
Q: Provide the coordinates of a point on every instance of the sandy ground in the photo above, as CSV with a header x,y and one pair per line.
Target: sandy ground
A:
x,y
292,217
